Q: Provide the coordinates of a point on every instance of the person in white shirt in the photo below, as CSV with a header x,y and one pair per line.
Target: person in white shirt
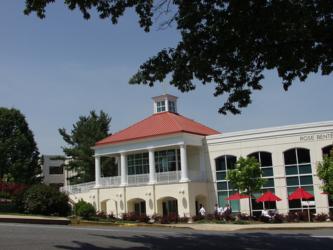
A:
x,y
265,213
202,210
220,210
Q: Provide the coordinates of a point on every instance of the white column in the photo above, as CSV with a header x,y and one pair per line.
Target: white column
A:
x,y
183,163
118,165
123,172
152,175
97,171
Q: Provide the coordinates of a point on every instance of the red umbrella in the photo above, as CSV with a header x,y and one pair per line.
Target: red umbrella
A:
x,y
236,196
268,196
300,194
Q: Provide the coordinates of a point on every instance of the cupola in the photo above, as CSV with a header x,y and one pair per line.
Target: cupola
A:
x,y
165,103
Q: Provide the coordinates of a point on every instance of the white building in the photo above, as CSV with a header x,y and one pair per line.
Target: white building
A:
x,y
53,170
169,163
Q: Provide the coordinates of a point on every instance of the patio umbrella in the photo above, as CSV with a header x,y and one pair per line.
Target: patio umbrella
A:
x,y
268,196
301,194
237,196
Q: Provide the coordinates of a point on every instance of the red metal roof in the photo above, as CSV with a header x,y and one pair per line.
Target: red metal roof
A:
x,y
156,125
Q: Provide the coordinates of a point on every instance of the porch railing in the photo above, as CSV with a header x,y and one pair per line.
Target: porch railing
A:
x,y
133,180
113,181
78,188
137,179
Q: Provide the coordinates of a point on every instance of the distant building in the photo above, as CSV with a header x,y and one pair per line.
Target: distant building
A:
x,y
53,170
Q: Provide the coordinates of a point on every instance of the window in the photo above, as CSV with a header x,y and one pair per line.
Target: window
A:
x,y
172,106
266,165
56,170
224,187
298,173
327,150
160,106
138,164
167,160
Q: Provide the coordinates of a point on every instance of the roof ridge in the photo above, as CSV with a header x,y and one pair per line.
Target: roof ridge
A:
x,y
175,120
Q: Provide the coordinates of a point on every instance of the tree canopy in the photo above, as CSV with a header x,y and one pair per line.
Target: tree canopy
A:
x,y
19,156
226,42
85,133
246,176
325,173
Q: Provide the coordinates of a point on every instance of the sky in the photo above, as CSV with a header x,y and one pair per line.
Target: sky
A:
x,y
59,68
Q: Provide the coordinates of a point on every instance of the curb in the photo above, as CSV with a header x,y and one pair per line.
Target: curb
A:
x,y
36,221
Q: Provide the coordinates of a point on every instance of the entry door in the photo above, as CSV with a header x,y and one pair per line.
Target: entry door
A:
x,y
140,207
170,206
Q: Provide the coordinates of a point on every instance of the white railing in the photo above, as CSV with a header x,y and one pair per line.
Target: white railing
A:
x,y
112,181
168,177
137,179
78,188
133,180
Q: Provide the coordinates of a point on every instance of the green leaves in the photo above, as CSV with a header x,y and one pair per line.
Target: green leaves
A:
x,y
18,150
325,173
246,177
229,43
84,134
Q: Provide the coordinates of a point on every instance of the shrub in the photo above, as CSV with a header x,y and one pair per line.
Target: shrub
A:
x,y
321,217
45,200
292,217
157,218
278,218
197,217
84,209
184,219
243,216
264,219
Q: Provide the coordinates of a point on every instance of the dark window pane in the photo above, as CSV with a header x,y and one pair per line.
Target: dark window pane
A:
x,y
291,170
327,150
231,161
290,157
255,155
309,189
306,180
295,204
305,169
220,163
220,176
292,181
269,183
231,186
303,155
266,159
256,205
222,185
267,172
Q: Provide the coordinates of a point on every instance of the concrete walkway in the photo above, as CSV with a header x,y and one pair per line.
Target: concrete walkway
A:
x,y
34,219
259,226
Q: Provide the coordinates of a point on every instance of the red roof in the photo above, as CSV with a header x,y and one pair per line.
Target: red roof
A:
x,y
156,125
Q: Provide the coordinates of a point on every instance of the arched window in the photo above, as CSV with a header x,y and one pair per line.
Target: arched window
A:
x,y
224,187
266,164
298,170
327,150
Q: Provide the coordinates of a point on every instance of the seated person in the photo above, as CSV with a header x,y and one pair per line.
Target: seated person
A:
x,y
265,213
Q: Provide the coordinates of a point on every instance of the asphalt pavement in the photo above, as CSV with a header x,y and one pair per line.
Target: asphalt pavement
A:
x,y
26,236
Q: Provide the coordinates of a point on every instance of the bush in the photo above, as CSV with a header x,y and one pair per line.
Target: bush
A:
x,y
278,218
292,217
321,217
84,209
45,200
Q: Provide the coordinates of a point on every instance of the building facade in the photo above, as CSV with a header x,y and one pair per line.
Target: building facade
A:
x,y
168,163
53,170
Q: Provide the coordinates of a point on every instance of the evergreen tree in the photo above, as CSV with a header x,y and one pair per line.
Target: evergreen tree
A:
x,y
85,133
19,156
246,177
230,43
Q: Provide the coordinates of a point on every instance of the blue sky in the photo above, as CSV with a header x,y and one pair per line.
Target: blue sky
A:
x,y
59,68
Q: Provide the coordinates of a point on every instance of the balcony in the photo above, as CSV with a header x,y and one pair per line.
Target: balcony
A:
x,y
133,180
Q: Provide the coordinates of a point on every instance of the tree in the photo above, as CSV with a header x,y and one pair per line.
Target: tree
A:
x,y
85,133
19,156
325,173
246,177
229,42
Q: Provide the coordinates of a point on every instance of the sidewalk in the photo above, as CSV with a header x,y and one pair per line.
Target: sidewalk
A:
x,y
34,219
235,227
